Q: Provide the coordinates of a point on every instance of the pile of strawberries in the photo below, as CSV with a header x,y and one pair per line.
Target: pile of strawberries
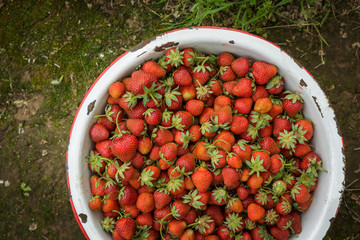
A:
x,y
198,146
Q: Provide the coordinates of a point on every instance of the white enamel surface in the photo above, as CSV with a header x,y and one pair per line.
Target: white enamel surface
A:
x,y
327,141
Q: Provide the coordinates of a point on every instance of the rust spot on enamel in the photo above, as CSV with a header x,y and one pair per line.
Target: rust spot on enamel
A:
x,y
318,106
165,45
90,107
303,83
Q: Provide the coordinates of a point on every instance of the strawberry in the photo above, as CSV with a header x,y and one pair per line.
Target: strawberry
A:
x,y
144,146
215,213
277,163
243,150
195,107
263,105
255,212
139,80
116,89
180,209
110,206
255,181
99,133
168,151
182,120
296,222
244,88
219,196
239,124
127,196
226,74
222,117
153,116
154,69
228,87
200,150
200,75
182,77
231,177
242,192
221,101
225,59
292,103
301,149
234,160
276,109
266,131
137,112
280,124
188,57
279,234
112,190
305,128
215,87
125,227
224,140
173,99
124,147
269,144
149,175
241,66
145,219
263,72
145,202
161,198
186,162
202,179
276,85
97,186
95,203
162,136
136,126
300,193
188,234
176,227
283,207
188,92
243,105
235,205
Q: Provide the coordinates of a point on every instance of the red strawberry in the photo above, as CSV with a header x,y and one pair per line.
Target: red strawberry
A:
x,y
195,107
301,149
126,227
280,124
182,77
110,206
145,202
182,120
168,151
97,186
104,149
242,192
223,117
241,66
292,103
219,196
124,147
255,181
99,133
221,101
228,87
263,72
255,212
244,88
276,163
202,179
231,177
116,89
296,222
300,193
260,92
144,146
176,227
153,116
95,203
139,80
200,76
275,85
243,105
279,234
112,190
224,140
305,128
239,124
136,112
173,99
283,207
225,59
127,196
215,87
188,57
186,162
226,74
276,109
154,69
136,126
269,144
145,219
180,209
161,198
162,136
110,126
266,131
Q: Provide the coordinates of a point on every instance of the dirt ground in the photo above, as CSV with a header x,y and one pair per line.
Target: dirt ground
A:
x,y
51,52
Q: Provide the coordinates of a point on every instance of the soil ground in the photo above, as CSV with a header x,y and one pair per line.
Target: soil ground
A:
x,y
51,52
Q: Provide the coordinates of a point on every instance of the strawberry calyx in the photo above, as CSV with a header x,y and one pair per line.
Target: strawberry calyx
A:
x,y
299,133
279,187
131,99
203,91
107,114
170,96
175,57
202,223
220,195
234,222
193,199
108,224
293,97
151,93
275,82
287,139
271,217
260,120
255,165
186,138
146,178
